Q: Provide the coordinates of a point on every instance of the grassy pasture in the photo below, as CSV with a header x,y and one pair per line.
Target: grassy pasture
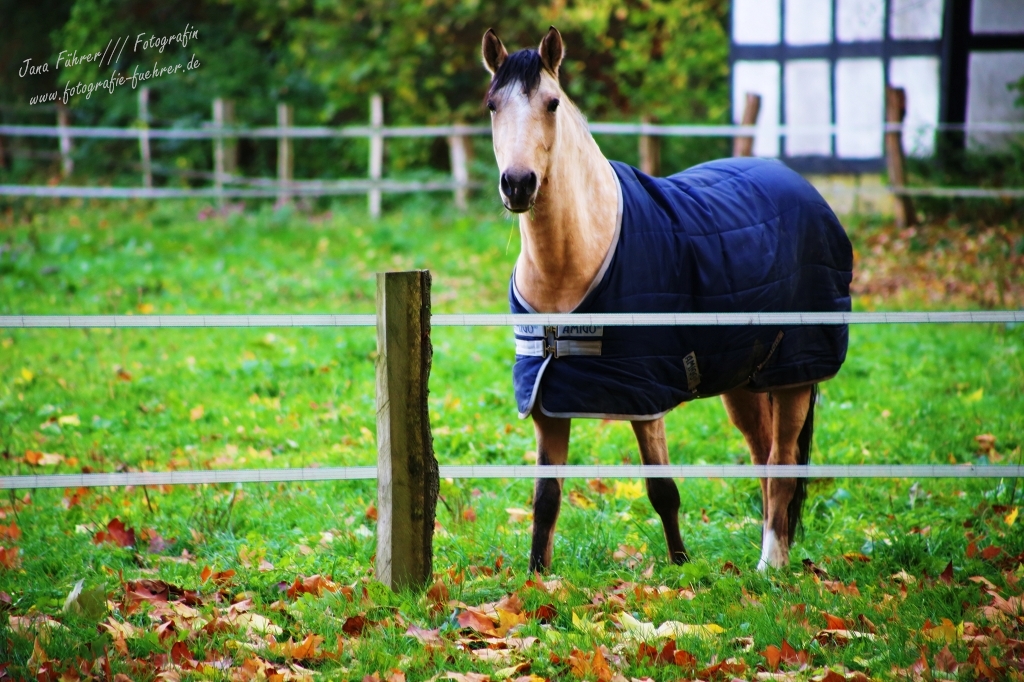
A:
x,y
115,400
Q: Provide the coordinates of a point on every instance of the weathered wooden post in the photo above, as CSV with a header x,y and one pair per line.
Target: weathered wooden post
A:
x,y
743,145
376,153
285,155
895,112
225,152
459,156
407,474
144,151
650,151
67,164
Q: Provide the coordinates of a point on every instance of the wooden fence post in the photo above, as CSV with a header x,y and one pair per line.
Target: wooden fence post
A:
x,y
67,164
407,473
458,153
376,152
895,112
650,152
225,152
144,151
285,155
743,145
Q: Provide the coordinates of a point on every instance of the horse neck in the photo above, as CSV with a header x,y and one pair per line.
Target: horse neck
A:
x,y
568,233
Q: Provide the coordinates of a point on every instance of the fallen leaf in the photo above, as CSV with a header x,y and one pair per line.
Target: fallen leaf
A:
x,y
945,661
42,459
591,664
841,636
640,631
11,532
599,486
475,620
116,533
991,552
578,499
424,635
196,413
516,515
833,622
1011,518
947,574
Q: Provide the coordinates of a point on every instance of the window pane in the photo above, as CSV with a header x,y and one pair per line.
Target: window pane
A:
x,y
762,78
808,22
859,20
919,78
755,22
809,106
859,108
916,19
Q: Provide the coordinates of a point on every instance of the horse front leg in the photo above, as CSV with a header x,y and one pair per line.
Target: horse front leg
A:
x,y
552,448
662,492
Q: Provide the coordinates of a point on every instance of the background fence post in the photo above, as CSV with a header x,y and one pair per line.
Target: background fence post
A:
x,y
67,164
376,152
650,151
459,156
743,145
285,155
225,152
895,111
407,474
144,151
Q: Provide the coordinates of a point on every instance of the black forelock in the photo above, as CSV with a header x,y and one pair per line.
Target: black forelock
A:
x,y
521,67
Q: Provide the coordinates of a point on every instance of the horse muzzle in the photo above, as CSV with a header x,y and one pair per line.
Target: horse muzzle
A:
x,y
518,190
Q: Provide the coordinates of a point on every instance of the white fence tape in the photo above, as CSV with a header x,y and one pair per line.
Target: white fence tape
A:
x,y
505,320
367,473
314,132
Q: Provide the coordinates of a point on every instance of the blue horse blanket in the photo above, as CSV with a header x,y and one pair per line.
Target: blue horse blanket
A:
x,y
736,235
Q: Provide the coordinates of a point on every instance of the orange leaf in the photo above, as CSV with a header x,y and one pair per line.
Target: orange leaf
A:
x,y
205,575
991,552
945,661
11,532
354,625
833,622
684,659
10,558
947,574
772,656
475,620
792,656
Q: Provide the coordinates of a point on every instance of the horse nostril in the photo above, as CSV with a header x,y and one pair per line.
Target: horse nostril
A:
x,y
506,186
531,183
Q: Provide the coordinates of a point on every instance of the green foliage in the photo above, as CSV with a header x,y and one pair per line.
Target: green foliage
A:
x,y
664,60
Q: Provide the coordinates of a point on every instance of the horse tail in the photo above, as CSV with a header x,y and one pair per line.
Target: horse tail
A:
x,y
803,443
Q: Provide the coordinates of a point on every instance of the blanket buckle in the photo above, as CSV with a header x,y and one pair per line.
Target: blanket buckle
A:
x,y
550,343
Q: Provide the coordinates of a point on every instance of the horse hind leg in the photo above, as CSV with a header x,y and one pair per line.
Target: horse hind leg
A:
x,y
662,492
552,448
792,429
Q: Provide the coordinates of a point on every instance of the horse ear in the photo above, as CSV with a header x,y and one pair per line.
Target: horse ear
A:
x,y
551,50
493,51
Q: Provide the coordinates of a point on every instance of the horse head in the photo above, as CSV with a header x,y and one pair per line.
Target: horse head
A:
x,y
524,99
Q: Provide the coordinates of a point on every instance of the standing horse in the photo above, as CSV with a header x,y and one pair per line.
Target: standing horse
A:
x,y
740,235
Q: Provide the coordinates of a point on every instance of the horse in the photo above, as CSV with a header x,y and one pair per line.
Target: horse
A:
x,y
736,235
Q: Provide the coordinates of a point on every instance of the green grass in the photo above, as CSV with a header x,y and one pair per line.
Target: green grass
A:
x,y
130,400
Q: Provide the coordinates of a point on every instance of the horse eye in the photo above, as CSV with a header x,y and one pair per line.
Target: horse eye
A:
x,y
490,106
552,105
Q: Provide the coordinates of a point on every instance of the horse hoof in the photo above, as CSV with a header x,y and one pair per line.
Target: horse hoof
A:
x,y
680,558
774,553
